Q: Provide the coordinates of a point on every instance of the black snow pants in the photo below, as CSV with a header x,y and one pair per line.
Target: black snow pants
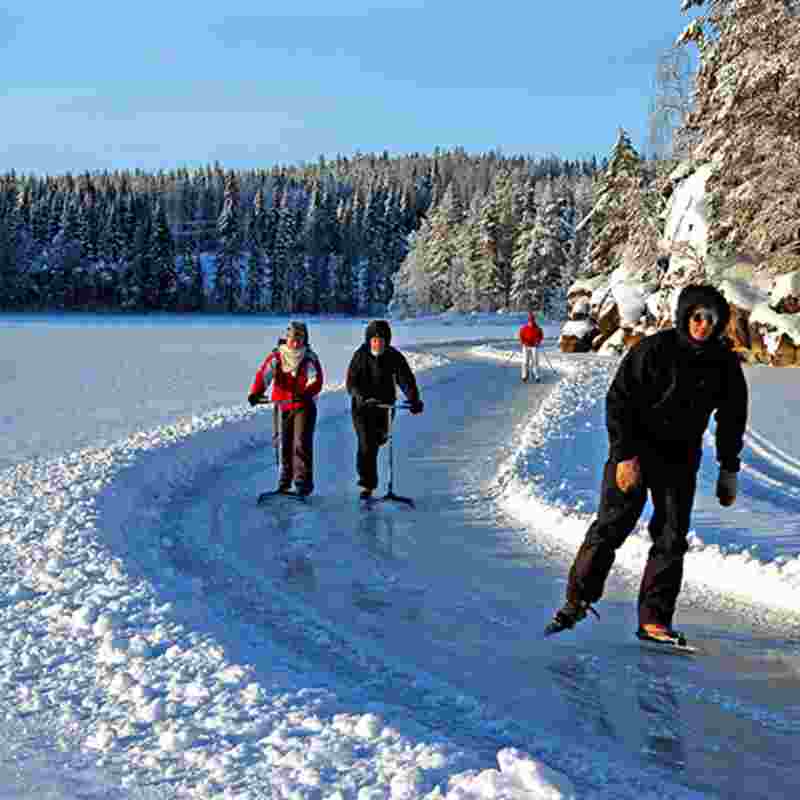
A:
x,y
672,483
297,446
372,429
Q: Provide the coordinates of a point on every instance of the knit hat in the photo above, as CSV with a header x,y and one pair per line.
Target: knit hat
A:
x,y
297,330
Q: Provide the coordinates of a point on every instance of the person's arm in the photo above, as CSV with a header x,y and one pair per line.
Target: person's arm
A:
x,y
622,400
407,383
262,379
354,382
314,377
731,418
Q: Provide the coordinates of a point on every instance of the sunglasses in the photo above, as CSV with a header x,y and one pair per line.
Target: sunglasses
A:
x,y
704,315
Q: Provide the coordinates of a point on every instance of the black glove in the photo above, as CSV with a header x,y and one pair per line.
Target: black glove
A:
x,y
416,408
253,399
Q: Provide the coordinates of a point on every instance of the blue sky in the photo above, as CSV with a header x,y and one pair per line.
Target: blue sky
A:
x,y
92,85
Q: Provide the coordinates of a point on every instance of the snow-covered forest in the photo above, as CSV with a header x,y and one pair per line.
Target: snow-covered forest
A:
x,y
322,238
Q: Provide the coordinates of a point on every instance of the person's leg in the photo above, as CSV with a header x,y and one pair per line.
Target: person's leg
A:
x,y
535,363
287,445
305,422
616,518
526,362
673,489
367,454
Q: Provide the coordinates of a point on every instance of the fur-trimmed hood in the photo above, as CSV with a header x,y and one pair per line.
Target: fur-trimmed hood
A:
x,y
701,295
378,327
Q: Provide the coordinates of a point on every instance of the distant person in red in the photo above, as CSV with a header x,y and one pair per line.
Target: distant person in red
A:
x,y
295,374
531,337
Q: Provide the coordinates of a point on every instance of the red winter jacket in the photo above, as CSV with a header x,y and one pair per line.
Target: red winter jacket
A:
x,y
531,334
290,391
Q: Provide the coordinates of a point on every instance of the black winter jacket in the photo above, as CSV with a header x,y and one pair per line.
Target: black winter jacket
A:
x,y
376,376
667,387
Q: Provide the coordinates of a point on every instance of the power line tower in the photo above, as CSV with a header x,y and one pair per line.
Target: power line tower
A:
x,y
670,106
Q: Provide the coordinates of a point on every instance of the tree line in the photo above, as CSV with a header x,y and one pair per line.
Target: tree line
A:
x,y
328,237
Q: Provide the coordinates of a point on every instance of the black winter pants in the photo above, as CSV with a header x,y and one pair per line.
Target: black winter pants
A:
x,y
672,486
297,446
372,429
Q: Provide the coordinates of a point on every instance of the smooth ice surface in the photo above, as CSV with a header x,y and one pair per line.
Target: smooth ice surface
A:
x,y
162,636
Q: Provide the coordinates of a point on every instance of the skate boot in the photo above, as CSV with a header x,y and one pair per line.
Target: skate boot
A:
x,y
568,616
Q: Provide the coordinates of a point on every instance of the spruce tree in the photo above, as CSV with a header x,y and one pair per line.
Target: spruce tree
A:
x,y
162,255
616,198
227,282
259,284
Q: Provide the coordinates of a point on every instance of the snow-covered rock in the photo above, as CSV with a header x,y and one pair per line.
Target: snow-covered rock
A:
x,y
576,336
785,294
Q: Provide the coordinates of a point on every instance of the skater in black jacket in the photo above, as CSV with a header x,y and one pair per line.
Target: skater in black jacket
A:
x,y
374,371
657,409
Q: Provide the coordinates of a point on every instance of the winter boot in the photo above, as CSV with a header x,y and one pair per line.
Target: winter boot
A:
x,y
568,616
366,495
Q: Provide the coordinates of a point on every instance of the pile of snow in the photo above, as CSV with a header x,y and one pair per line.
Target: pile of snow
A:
x,y
742,295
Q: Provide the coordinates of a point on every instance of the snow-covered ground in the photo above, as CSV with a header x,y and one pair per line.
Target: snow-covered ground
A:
x,y
162,636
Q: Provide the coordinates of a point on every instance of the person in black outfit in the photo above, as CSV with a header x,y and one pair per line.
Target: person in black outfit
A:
x,y
657,408
375,370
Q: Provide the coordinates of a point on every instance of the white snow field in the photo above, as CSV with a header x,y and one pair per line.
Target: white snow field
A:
x,y
162,636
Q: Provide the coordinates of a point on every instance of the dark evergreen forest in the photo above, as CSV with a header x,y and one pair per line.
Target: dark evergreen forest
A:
x,y
324,238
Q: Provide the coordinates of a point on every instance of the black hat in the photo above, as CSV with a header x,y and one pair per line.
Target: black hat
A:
x,y
379,327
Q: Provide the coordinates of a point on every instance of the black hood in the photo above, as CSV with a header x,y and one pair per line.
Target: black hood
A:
x,y
378,327
701,295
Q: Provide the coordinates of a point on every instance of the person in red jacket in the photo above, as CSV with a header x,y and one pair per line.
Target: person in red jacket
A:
x,y
295,374
530,335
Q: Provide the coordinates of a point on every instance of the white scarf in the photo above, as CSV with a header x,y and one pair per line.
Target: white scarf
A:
x,y
290,359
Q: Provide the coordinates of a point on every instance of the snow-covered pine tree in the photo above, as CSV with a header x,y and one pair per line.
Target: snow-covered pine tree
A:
x,y
192,279
282,257
162,257
440,247
343,291
526,293
395,243
9,273
313,242
143,283
616,198
498,227
258,291
411,293
66,255
474,258
56,211
540,258
227,282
